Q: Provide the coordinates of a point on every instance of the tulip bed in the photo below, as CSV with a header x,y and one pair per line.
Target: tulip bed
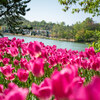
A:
x,y
33,71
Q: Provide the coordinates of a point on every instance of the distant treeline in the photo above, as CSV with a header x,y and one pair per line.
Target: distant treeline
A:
x,y
87,30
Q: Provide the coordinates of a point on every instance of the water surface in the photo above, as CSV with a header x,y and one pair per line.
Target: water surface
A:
x,y
59,44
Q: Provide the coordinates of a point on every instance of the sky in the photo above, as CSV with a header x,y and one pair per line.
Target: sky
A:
x,y
51,11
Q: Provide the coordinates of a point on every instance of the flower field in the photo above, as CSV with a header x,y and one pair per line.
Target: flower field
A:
x,y
33,71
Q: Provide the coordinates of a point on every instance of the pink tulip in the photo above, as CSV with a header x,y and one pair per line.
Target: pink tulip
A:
x,y
1,97
13,39
7,70
52,61
85,64
23,61
43,91
13,44
80,93
93,89
24,48
24,52
1,58
38,67
44,54
11,86
13,51
13,92
94,62
90,52
78,81
6,61
34,49
1,88
16,62
11,77
89,92
25,64
16,42
61,83
22,75
82,54
19,42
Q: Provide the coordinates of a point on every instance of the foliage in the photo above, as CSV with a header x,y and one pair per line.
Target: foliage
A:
x,y
88,6
96,44
11,10
86,31
80,35
81,31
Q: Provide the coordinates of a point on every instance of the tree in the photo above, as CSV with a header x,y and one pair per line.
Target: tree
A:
x,y
87,24
55,30
89,6
11,10
80,35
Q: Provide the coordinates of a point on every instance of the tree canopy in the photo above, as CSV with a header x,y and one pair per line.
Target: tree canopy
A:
x,y
11,10
88,6
88,30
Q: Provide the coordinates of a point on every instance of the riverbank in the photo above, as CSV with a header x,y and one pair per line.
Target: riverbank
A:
x,y
43,37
